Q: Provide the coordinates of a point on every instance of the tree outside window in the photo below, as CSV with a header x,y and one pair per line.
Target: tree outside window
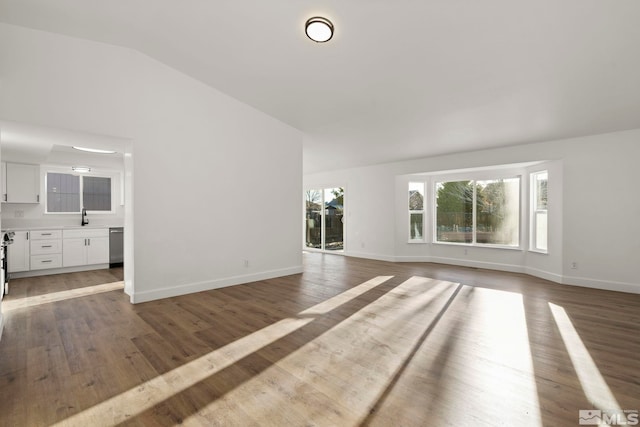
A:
x,y
416,211
482,212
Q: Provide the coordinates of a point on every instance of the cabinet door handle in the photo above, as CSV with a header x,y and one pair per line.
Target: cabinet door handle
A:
x,y
46,234
5,197
27,235
46,246
46,260
89,242
38,198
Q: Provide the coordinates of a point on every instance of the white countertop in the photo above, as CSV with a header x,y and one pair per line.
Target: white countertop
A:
x,y
59,227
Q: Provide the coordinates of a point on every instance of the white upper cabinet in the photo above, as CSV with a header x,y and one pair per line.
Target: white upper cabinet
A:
x,y
20,183
3,178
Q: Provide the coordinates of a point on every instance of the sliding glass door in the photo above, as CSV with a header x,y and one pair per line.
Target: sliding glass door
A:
x,y
324,225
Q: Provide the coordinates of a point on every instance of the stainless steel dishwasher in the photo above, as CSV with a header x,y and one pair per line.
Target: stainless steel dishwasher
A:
x,y
116,246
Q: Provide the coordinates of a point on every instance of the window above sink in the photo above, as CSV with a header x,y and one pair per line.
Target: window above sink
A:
x,y
69,193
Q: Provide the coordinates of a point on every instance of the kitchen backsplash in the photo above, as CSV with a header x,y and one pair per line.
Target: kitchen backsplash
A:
x,y
20,216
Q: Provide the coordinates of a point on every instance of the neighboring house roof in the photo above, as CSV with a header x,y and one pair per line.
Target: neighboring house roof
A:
x,y
416,200
334,204
312,206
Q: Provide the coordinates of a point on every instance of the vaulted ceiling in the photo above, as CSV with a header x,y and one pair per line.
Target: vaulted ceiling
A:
x,y
400,79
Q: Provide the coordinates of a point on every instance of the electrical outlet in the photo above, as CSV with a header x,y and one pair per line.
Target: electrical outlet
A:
x,y
466,252
574,265
246,263
362,245
18,214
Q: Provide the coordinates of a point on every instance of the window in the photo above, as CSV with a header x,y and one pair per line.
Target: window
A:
x,y
96,193
454,211
68,193
539,211
483,212
416,212
498,212
63,192
324,215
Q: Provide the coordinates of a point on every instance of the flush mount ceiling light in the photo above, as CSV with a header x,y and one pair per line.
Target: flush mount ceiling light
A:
x,y
319,29
94,150
81,169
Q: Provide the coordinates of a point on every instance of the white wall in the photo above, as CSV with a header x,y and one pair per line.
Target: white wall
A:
x,y
594,211
208,169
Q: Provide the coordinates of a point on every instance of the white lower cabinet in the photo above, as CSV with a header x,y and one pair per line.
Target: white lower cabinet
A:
x,y
46,249
85,247
49,249
18,253
42,262
74,252
98,250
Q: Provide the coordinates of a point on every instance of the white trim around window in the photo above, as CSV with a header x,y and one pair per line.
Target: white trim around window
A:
x,y
538,215
417,204
112,176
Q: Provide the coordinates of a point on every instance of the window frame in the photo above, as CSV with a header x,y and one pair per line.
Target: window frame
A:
x,y
96,174
473,177
534,210
323,219
423,211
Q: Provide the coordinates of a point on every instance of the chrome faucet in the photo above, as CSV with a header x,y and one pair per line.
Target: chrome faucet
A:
x,y
85,221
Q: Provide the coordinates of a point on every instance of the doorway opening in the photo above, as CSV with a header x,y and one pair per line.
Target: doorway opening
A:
x,y
49,152
324,219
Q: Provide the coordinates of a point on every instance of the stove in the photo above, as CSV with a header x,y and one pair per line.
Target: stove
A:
x,y
7,239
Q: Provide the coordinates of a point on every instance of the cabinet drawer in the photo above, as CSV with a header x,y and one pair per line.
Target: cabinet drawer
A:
x,y
41,262
42,247
45,234
81,233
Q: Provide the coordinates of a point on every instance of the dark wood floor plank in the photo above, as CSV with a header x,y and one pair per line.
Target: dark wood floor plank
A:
x,y
348,342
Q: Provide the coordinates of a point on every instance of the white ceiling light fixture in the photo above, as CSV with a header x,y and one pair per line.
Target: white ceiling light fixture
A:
x,y
81,169
94,150
319,29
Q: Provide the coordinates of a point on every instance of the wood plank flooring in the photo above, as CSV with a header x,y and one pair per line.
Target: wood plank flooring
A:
x,y
348,342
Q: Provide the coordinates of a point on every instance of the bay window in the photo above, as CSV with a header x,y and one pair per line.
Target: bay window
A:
x,y
481,212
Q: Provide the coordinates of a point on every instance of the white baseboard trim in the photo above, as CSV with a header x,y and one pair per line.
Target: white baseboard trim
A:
x,y
412,259
366,255
633,288
464,263
1,325
479,264
46,272
189,288
542,274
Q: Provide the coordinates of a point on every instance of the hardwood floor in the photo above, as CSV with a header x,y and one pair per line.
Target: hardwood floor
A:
x,y
349,342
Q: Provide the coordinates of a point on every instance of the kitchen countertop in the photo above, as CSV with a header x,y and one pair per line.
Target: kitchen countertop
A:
x,y
59,227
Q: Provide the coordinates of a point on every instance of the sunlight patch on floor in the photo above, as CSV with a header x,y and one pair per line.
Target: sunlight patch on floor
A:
x,y
593,383
32,301
338,300
496,367
134,401
337,377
